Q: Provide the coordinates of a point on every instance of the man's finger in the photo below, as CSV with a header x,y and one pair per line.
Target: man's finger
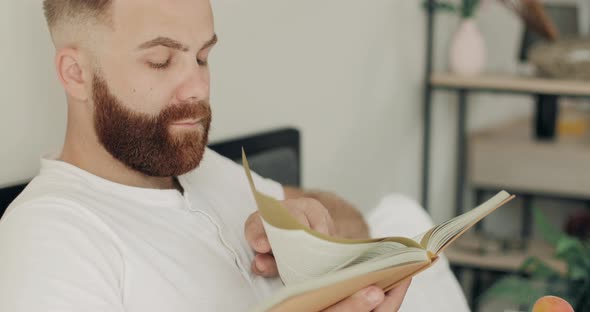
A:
x,y
319,217
255,234
296,208
364,300
265,265
394,298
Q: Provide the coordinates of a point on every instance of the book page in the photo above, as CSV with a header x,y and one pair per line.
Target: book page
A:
x,y
440,236
301,256
380,251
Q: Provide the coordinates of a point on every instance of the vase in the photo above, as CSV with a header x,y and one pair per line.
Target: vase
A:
x,y
468,51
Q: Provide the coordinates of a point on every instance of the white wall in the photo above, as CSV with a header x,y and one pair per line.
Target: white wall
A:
x,y
347,73
32,105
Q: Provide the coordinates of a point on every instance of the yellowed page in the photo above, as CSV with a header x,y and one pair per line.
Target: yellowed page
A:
x,y
440,236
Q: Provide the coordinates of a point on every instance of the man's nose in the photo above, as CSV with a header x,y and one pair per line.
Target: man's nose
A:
x,y
195,87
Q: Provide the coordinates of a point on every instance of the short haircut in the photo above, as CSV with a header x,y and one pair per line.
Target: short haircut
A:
x,y
60,11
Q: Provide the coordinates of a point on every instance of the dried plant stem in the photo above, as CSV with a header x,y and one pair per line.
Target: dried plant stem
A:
x,y
534,16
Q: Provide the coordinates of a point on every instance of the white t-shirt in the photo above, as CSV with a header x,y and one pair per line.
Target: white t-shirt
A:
x,y
73,241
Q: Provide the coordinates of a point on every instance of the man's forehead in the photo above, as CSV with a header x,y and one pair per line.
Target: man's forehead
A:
x,y
183,20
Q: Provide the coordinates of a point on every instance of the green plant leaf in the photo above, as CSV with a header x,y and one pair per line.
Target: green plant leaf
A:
x,y
515,289
538,269
580,295
469,7
575,253
578,273
441,6
567,244
548,232
583,299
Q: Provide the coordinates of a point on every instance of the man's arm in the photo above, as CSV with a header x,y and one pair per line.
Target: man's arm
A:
x,y
348,221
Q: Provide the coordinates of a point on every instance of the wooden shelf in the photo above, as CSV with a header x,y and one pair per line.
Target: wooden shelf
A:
x,y
464,252
511,84
508,157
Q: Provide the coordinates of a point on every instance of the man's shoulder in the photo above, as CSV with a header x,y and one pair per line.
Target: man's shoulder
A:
x,y
47,209
53,201
45,191
53,216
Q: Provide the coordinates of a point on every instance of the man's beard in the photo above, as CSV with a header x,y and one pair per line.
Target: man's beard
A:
x,y
144,143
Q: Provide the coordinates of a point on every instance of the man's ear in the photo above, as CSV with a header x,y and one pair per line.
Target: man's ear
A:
x,y
72,73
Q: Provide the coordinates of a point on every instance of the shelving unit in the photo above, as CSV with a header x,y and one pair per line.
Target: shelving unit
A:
x,y
495,84
546,93
557,157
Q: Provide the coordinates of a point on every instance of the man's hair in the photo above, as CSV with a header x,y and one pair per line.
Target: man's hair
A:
x,y
59,11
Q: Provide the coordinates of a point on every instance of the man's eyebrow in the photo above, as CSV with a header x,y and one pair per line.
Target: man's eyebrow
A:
x,y
174,44
164,41
210,43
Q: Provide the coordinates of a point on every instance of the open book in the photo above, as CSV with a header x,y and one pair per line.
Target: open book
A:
x,y
319,271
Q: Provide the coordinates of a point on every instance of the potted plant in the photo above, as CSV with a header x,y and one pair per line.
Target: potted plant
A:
x,y
537,279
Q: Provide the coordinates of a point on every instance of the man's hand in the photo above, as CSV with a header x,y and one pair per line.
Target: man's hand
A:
x,y
307,211
349,222
373,299
313,214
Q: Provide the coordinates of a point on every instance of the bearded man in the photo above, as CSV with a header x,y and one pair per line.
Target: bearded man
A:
x,y
135,213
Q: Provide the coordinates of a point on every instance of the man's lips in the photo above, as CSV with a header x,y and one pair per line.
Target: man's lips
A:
x,y
187,122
